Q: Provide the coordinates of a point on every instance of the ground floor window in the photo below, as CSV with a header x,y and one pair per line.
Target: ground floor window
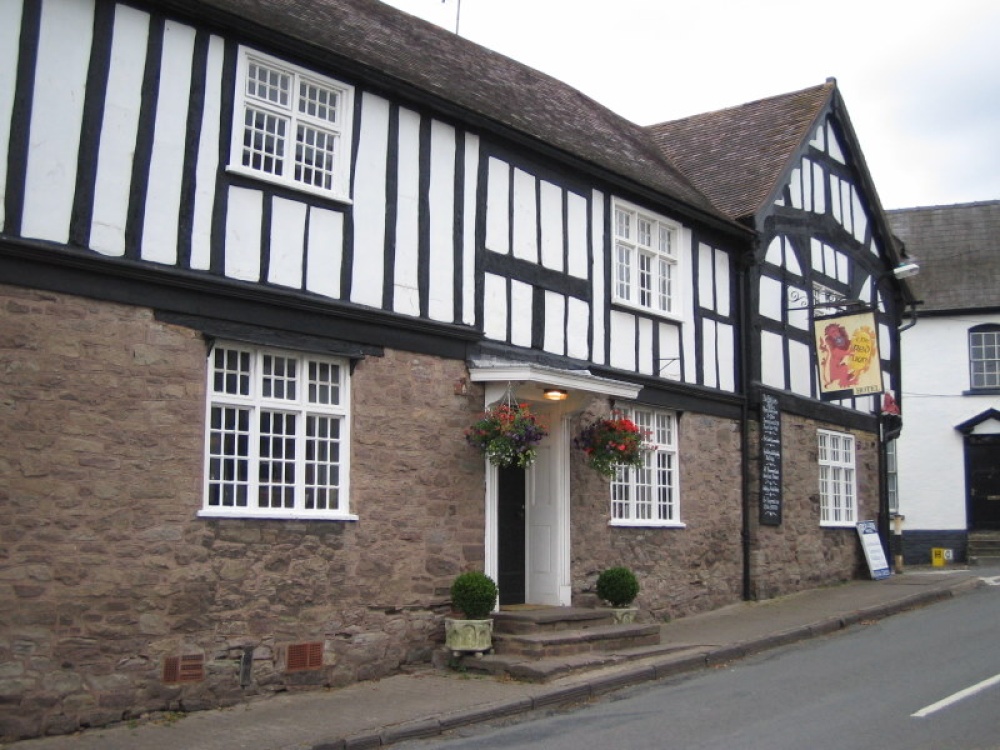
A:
x,y
837,479
278,434
649,495
892,477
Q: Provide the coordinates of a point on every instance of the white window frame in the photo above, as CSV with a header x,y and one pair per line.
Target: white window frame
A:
x,y
838,479
892,476
650,495
251,394
276,163
646,260
984,358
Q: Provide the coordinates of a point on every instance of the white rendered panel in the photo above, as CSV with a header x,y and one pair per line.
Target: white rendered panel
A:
x,y
646,365
208,158
369,203
10,27
807,186
816,249
819,197
599,285
884,344
243,234
860,217
166,168
843,273
521,306
800,368
706,274
709,350
795,187
773,255
829,261
726,347
495,307
722,285
118,131
798,307
577,326
835,198
845,202
685,283
818,141
669,366
288,235
622,340
406,291
525,216
834,145
469,230
576,212
551,198
772,298
498,206
441,291
791,259
325,254
555,323
772,360
56,116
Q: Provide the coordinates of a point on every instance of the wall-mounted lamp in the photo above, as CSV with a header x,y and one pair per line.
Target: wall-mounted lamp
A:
x,y
555,394
905,270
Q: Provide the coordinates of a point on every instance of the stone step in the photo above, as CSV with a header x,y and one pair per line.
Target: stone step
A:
x,y
604,638
527,669
549,619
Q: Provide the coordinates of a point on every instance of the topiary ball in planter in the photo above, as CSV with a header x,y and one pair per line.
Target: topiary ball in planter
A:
x,y
618,586
474,594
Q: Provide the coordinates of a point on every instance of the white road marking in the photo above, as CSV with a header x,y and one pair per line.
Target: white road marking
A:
x,y
956,697
991,580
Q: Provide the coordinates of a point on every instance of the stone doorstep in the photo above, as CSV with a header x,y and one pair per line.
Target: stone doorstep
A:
x,y
549,619
552,668
583,640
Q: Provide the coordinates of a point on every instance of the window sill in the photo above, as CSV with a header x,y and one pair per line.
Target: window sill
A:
x,y
647,524
632,306
265,516
837,524
297,187
982,392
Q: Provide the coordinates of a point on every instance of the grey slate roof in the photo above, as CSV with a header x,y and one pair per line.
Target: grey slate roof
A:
x,y
736,156
958,249
401,48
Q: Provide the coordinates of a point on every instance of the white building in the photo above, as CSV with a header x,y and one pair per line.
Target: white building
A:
x,y
949,451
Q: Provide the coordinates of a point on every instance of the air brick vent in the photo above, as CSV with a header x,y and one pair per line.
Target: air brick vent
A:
x,y
188,668
303,656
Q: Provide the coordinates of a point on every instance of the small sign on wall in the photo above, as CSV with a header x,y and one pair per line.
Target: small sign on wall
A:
x,y
878,566
770,460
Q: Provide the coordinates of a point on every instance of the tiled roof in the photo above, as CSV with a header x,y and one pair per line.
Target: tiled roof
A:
x,y
958,250
400,48
736,156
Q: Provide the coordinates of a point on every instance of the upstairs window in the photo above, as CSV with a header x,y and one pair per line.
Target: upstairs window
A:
x,y
837,479
650,495
984,357
645,260
291,126
278,434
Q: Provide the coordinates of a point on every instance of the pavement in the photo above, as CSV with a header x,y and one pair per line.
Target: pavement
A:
x,y
425,702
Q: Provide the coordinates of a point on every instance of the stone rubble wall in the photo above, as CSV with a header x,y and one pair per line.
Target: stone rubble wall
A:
x,y
106,570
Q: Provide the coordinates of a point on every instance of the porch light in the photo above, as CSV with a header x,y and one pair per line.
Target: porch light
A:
x,y
555,394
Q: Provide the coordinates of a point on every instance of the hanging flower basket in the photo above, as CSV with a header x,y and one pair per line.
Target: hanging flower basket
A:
x,y
611,442
507,433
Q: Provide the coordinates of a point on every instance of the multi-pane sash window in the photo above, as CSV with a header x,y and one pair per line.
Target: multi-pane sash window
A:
x,y
984,357
278,434
646,260
291,126
837,480
892,477
649,496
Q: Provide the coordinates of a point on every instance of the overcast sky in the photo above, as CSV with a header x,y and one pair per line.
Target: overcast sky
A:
x,y
921,79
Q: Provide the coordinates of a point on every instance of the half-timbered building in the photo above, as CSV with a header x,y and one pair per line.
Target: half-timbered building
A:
x,y
791,168
261,265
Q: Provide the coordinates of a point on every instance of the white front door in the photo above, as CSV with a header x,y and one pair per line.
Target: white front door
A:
x,y
542,516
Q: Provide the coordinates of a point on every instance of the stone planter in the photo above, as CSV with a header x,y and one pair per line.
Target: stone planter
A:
x,y
462,636
624,615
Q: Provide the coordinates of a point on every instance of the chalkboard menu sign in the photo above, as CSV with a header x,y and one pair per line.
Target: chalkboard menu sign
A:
x,y
770,460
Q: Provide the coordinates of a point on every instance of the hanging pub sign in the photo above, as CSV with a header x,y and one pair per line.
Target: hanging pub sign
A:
x,y
770,460
848,356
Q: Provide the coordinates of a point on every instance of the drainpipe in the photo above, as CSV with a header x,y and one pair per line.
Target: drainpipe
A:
x,y
744,289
